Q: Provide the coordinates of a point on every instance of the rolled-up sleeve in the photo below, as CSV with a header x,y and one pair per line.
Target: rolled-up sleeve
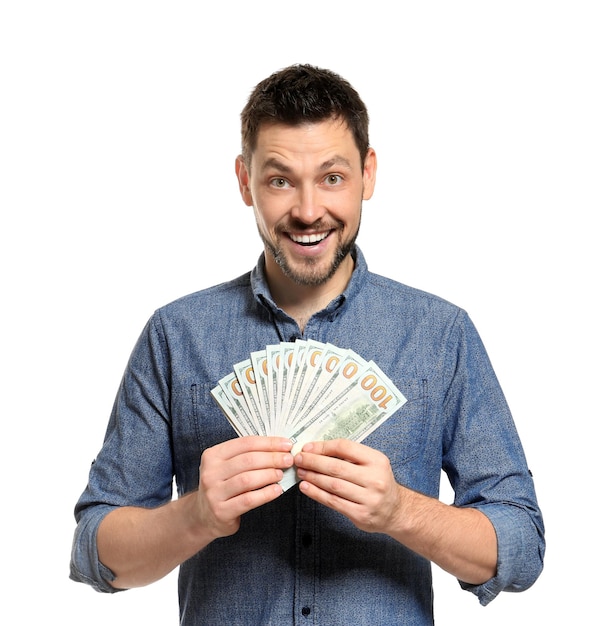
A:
x,y
135,465
85,567
486,465
520,551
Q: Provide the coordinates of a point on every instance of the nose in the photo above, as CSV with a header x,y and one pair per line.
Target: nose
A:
x,y
308,207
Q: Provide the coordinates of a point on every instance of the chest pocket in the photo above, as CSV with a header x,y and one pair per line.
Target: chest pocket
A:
x,y
402,437
207,420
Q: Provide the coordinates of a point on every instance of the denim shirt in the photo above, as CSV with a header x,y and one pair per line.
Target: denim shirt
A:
x,y
294,561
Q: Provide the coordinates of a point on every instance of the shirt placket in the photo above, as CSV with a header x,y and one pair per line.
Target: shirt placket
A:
x,y
307,562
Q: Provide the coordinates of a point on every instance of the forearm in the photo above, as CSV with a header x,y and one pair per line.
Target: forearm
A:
x,y
462,541
142,545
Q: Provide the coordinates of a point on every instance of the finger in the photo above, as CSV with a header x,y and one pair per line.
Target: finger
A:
x,y
230,510
339,448
345,485
230,498
367,514
344,498
253,499
218,459
310,465
249,461
214,468
251,481
240,445
325,465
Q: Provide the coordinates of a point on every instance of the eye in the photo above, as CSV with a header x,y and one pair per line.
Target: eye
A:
x,y
334,179
279,183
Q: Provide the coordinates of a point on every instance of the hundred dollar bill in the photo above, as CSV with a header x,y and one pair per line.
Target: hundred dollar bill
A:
x,y
260,371
292,364
286,358
233,415
231,387
337,368
273,357
246,378
309,361
365,403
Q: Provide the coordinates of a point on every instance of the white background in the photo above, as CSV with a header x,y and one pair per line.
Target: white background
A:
x,y
118,131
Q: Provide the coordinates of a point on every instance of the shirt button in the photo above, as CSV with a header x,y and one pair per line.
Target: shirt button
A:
x,y
307,539
306,611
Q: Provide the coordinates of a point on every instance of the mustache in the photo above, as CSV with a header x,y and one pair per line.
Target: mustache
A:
x,y
295,225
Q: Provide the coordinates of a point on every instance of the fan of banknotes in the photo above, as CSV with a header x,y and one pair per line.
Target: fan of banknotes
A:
x,y
306,391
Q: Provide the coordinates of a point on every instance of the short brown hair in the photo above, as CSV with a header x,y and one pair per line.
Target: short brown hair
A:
x,y
299,94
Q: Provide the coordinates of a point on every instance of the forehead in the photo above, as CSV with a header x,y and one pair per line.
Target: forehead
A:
x,y
309,140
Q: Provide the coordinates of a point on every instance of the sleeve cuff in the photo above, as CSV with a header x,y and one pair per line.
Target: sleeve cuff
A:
x,y
85,565
520,552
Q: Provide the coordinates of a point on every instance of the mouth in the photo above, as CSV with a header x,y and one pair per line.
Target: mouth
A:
x,y
309,240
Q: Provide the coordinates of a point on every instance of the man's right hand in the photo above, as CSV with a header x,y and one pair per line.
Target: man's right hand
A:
x,y
239,475
142,545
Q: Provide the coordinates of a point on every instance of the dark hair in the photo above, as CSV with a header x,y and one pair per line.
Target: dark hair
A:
x,y
299,94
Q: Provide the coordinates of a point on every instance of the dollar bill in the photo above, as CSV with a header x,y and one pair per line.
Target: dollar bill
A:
x,y
233,415
245,376
259,361
230,385
360,406
311,363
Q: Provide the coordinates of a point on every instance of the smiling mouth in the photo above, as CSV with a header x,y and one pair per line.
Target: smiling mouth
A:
x,y
309,240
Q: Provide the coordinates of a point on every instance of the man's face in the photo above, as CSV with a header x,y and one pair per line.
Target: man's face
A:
x,y
306,187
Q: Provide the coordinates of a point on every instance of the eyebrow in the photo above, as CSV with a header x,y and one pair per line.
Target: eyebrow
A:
x,y
274,163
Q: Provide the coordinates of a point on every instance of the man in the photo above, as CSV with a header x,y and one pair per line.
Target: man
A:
x,y
353,541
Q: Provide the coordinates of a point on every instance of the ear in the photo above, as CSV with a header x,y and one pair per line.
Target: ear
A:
x,y
369,175
242,174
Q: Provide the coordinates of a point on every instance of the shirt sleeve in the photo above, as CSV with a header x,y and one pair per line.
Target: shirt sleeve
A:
x,y
485,462
85,566
135,465
520,552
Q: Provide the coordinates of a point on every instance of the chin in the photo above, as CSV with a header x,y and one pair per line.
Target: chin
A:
x,y
310,272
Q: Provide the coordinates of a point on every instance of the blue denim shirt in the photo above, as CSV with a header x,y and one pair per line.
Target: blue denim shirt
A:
x,y
294,561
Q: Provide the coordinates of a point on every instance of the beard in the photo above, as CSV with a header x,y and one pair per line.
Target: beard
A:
x,y
311,272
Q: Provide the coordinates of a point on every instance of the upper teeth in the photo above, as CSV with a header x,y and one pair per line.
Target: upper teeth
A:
x,y
309,238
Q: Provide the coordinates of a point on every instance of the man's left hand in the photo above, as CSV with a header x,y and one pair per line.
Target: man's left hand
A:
x,y
350,478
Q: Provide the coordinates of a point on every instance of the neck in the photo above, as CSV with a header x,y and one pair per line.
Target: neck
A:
x,y
302,301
